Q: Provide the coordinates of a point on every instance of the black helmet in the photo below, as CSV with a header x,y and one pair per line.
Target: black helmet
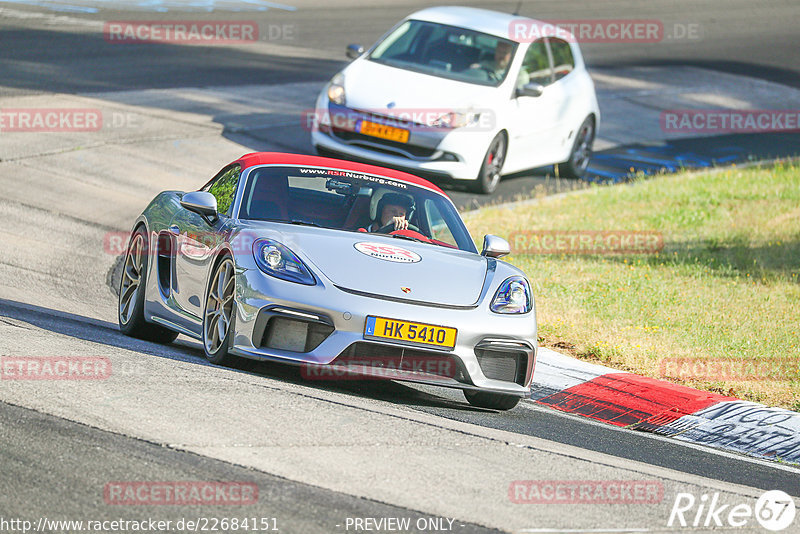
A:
x,y
396,199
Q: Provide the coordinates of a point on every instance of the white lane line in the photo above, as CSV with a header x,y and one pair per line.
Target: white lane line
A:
x,y
532,405
561,530
48,18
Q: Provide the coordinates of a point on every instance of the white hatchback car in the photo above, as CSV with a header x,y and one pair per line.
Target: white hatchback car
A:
x,y
451,93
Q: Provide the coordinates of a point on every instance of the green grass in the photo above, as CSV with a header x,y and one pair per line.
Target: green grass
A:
x,y
725,287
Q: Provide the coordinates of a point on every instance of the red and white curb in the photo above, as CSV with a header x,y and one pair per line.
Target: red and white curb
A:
x,y
640,403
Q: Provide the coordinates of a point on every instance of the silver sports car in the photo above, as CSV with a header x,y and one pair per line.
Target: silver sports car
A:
x,y
343,268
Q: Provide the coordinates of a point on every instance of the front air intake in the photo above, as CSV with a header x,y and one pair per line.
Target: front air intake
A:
x,y
294,334
505,363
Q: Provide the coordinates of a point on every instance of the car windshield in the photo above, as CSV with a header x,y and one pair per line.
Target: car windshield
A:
x,y
447,51
352,201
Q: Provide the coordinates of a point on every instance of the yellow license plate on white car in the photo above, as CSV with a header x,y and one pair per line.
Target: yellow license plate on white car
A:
x,y
383,131
410,332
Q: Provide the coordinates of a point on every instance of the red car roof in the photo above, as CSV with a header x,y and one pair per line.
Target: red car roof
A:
x,y
272,158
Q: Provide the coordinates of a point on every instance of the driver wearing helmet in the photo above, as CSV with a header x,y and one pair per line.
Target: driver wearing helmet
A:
x,y
393,212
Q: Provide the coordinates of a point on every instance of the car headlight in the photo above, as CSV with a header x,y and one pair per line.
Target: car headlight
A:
x,y
336,90
456,119
513,296
276,260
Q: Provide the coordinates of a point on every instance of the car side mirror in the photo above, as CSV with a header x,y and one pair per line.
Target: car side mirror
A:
x,y
354,50
494,246
531,89
201,202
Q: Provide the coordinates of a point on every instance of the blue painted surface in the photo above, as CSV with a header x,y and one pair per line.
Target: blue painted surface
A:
x,y
623,163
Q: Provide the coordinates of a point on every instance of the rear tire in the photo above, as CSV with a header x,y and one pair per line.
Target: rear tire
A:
x,y
581,153
130,309
492,401
219,314
492,167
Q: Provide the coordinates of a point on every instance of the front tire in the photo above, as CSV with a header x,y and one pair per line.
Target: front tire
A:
x,y
130,309
489,175
492,401
581,153
325,153
219,314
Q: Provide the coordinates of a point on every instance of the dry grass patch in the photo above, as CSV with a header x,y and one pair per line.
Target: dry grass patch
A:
x,y
724,291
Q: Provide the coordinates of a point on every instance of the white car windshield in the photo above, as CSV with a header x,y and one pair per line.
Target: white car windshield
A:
x,y
352,201
447,51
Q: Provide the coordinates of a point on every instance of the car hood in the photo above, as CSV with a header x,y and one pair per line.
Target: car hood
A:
x,y
373,86
380,266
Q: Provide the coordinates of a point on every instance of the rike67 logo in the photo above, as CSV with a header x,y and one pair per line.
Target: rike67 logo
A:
x,y
775,511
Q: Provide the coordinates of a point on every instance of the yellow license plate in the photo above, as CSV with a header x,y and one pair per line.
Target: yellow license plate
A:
x,y
384,132
410,332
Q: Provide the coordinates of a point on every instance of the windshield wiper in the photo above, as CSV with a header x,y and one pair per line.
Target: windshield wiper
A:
x,y
304,223
408,237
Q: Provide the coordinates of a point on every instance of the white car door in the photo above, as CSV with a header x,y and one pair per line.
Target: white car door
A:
x,y
536,121
572,90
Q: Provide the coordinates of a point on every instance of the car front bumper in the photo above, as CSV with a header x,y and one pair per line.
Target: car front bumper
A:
x,y
492,352
455,154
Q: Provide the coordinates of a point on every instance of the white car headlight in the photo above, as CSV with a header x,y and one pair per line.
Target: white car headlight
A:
x,y
456,119
336,90
513,296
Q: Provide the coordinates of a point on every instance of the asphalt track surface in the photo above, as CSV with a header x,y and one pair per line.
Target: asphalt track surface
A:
x,y
86,458
753,38
49,462
528,419
745,38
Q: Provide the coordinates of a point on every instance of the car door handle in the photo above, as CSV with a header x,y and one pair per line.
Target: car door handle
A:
x,y
175,229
